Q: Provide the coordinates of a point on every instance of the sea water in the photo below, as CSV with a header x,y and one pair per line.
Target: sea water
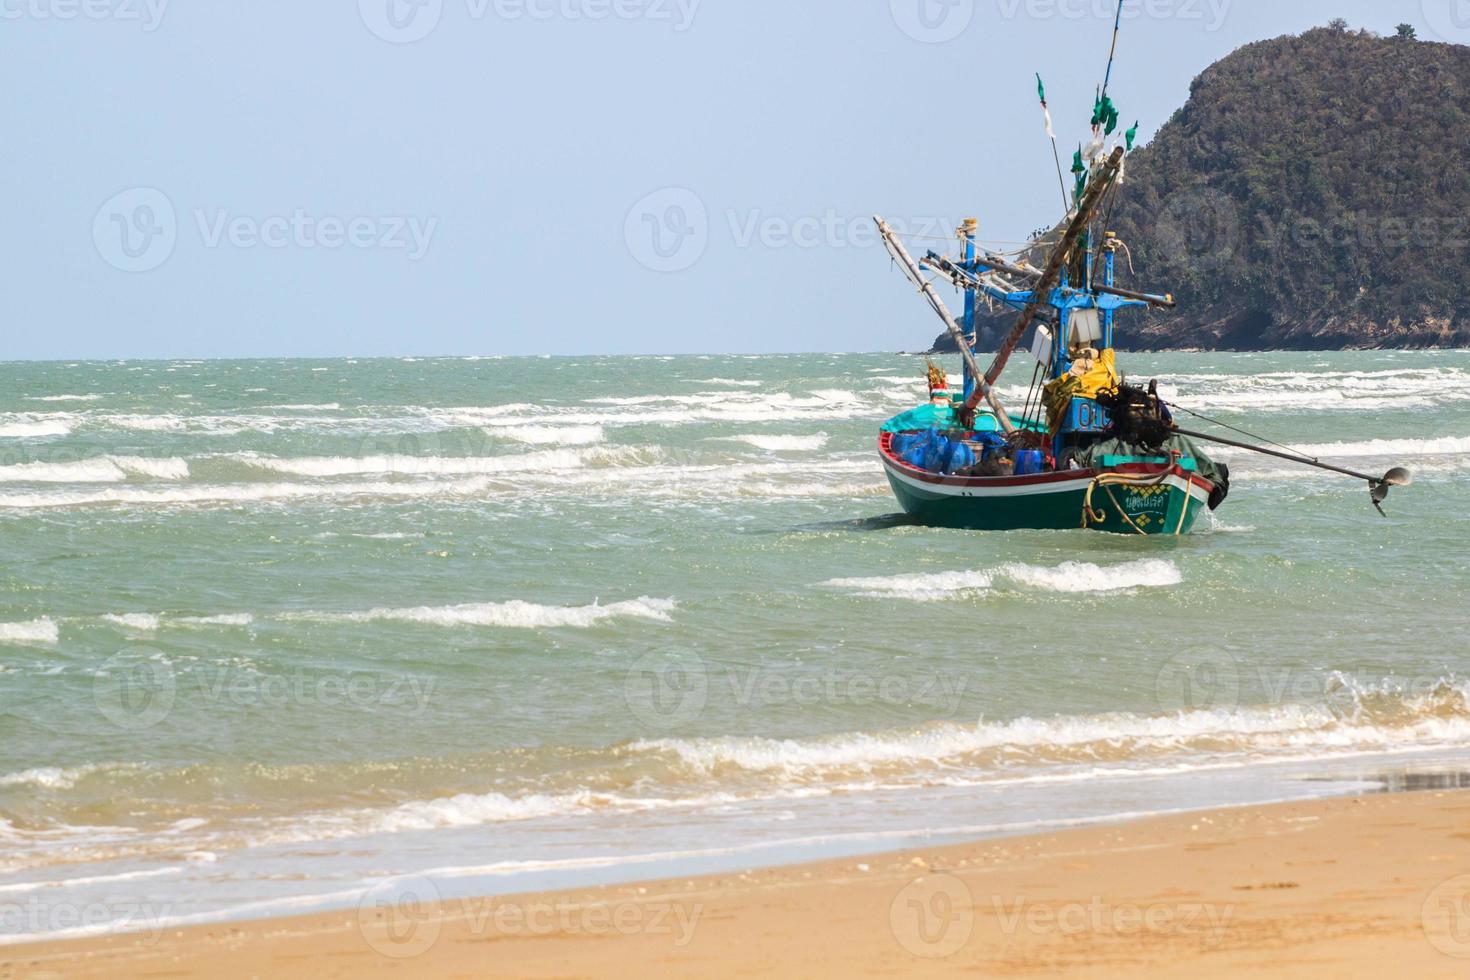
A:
x,y
273,632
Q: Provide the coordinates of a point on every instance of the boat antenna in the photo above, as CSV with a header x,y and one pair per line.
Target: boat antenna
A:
x,y
1113,52
1051,131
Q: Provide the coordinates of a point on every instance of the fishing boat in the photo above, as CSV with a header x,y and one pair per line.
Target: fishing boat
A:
x,y
1087,450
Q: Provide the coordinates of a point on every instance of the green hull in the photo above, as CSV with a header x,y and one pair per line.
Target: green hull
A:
x,y
1049,502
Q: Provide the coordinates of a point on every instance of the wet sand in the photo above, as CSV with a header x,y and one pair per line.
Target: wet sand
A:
x,y
1365,886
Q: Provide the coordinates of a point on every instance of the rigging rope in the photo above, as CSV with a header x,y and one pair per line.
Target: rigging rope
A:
x,y
1233,428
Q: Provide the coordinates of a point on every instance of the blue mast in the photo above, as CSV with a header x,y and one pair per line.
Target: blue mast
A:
x,y
967,233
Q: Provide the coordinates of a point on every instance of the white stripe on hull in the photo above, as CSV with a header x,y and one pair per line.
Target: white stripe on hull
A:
x,y
973,491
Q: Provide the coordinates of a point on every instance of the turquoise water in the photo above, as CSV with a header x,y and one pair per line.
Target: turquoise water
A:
x,y
354,617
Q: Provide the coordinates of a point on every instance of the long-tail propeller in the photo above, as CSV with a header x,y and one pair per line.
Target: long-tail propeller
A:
x,y
1378,486
1378,489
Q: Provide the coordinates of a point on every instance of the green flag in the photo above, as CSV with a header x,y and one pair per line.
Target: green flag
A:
x,y
1105,114
1130,136
1045,111
1077,165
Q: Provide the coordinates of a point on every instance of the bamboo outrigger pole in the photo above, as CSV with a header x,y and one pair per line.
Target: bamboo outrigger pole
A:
x,y
1041,292
915,275
1377,485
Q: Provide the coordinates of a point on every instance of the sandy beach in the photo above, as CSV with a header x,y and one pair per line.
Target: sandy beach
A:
x,y
1361,886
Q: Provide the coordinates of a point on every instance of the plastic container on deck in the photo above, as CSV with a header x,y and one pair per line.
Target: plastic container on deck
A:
x,y
1029,461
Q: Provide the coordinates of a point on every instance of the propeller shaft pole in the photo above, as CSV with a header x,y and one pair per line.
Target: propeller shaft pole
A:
x,y
1304,460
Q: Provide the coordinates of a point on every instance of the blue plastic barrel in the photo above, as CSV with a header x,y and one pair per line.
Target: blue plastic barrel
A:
x,y
1029,461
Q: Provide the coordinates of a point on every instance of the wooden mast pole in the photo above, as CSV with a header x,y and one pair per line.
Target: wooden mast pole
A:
x,y
1041,294
916,275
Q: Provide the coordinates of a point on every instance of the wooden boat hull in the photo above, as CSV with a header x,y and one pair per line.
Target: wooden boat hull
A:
x,y
1160,498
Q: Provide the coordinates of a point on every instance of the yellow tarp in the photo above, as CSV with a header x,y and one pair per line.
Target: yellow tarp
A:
x,y
1058,394
1102,376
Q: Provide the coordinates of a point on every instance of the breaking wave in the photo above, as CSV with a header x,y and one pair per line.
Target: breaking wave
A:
x,y
1068,577
556,435
515,614
33,430
101,469
1355,717
1444,446
781,444
35,632
332,466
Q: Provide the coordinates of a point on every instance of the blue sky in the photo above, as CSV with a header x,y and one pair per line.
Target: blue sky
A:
x,y
283,177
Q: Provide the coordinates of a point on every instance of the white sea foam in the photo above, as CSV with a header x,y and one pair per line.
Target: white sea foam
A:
x,y
146,423
920,587
1406,448
26,886
333,466
553,435
47,777
63,398
34,632
242,493
135,622
223,619
1319,391
599,469
307,407
1432,719
1081,576
99,469
33,429
781,444
514,614
1069,576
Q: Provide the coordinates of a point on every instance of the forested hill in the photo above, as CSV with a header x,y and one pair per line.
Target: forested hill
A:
x,y
1313,193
